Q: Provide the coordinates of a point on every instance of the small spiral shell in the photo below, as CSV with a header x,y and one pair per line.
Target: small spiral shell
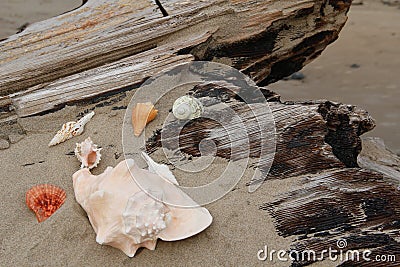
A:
x,y
187,108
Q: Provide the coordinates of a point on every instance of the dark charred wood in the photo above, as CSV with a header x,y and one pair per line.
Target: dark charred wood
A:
x,y
345,124
352,204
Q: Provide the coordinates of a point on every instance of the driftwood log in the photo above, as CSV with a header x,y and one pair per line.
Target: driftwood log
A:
x,y
332,198
110,46
105,48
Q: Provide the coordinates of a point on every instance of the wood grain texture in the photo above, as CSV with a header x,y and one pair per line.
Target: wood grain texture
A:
x,y
105,47
125,74
356,205
376,157
312,131
328,197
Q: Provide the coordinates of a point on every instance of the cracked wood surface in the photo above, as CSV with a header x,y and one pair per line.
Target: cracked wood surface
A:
x,y
105,47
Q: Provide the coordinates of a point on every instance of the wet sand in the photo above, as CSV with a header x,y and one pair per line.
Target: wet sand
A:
x,y
15,13
371,41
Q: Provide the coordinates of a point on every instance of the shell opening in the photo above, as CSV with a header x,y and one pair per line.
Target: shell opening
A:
x,y
88,153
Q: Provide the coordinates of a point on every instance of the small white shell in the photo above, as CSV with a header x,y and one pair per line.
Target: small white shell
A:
x,y
88,153
80,124
71,129
63,134
187,108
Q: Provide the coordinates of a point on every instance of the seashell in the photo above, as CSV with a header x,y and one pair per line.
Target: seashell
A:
x,y
44,200
160,169
88,153
142,114
145,216
63,134
126,217
187,108
71,129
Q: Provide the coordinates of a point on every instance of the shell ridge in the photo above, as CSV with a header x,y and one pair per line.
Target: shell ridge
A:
x,y
44,200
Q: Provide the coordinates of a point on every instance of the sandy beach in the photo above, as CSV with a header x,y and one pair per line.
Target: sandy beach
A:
x,y
67,238
360,68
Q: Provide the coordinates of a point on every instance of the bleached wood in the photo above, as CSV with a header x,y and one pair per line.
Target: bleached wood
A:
x,y
108,46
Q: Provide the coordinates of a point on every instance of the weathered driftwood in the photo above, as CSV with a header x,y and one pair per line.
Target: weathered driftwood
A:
x,y
375,156
110,46
331,198
356,205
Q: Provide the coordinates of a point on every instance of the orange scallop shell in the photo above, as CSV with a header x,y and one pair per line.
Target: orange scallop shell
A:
x,y
44,200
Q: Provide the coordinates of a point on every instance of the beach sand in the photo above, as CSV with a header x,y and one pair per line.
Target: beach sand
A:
x,y
238,231
240,228
370,40
16,13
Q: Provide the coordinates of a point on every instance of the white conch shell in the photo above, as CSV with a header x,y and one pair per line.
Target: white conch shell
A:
x,y
125,217
71,129
187,108
160,169
145,215
88,153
